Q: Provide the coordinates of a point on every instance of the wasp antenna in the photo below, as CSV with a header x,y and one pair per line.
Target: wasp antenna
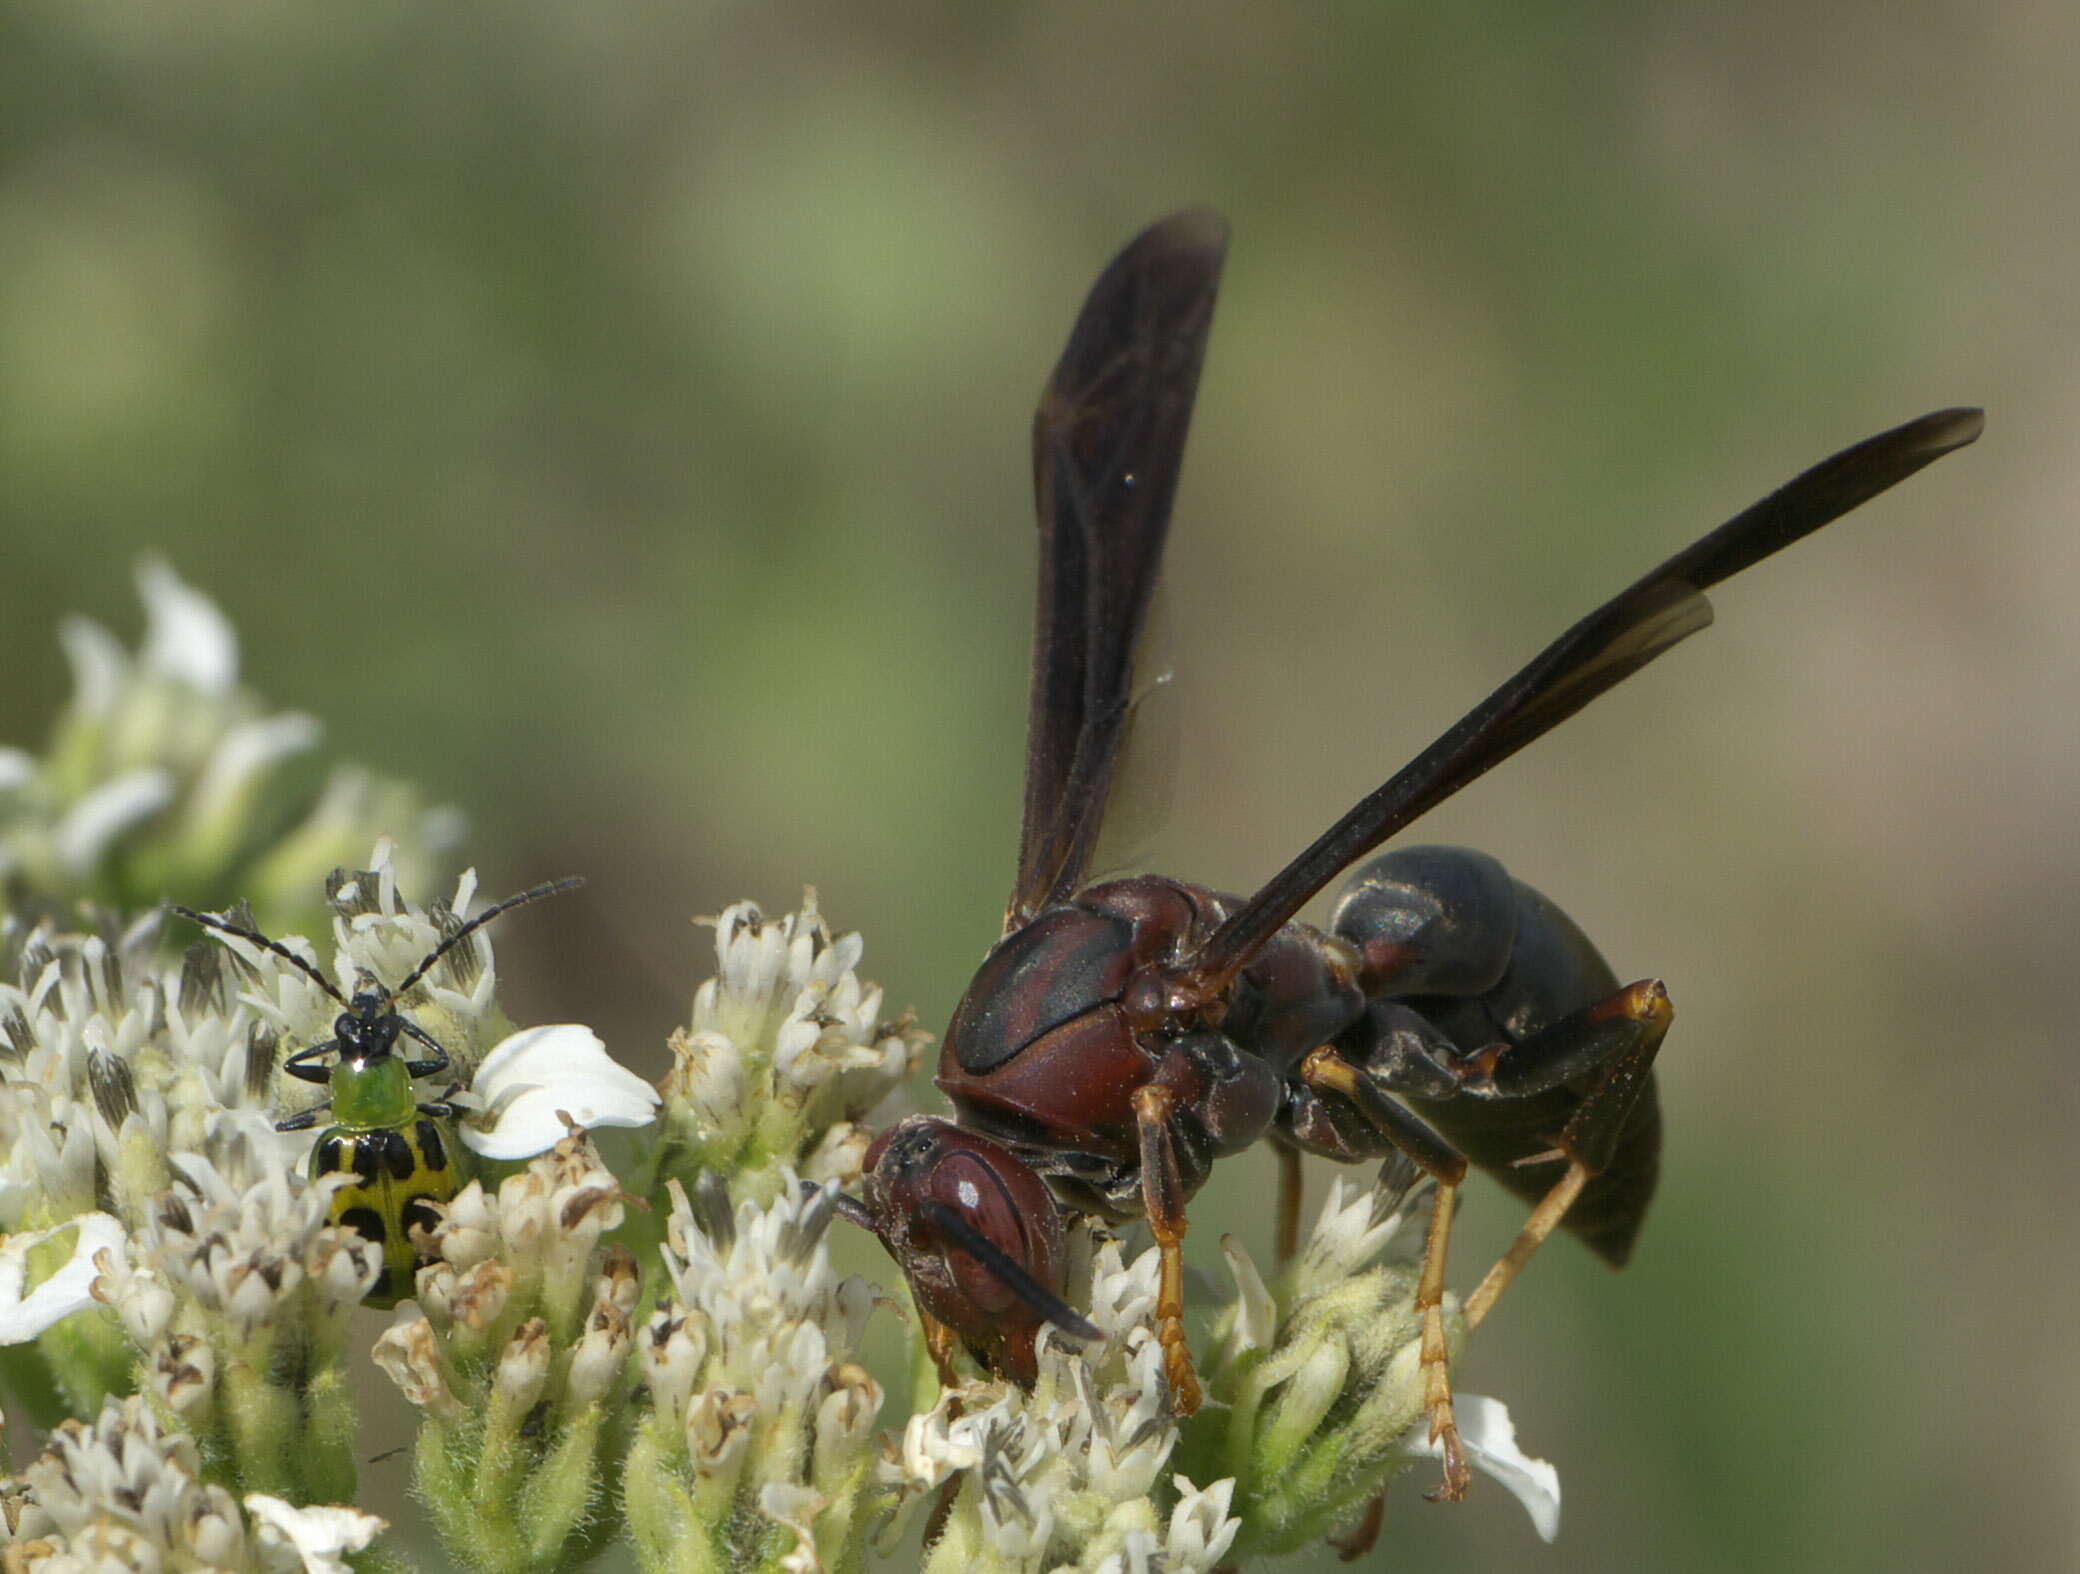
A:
x,y
261,940
532,894
1008,1272
848,1207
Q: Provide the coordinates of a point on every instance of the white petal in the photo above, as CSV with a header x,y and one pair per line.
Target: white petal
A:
x,y
251,747
185,636
1201,1529
69,1290
1256,1313
316,1535
98,665
108,811
796,1507
1490,1438
541,1073
17,768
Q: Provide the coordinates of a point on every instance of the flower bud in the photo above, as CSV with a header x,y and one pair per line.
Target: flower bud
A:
x,y
601,1359
523,1367
407,1351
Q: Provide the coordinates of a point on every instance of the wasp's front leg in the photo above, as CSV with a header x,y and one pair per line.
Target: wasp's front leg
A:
x,y
1163,1194
1234,1096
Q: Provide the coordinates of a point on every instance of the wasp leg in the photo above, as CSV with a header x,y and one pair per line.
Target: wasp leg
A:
x,y
940,1342
1618,1038
1289,1186
1356,1542
942,1507
1327,1071
1163,1194
1235,1098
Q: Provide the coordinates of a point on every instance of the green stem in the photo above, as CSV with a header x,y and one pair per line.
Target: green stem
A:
x,y
332,1428
665,1528
563,1488
260,1422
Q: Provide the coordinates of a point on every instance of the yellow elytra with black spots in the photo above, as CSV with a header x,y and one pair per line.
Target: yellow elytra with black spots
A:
x,y
400,1152
399,1171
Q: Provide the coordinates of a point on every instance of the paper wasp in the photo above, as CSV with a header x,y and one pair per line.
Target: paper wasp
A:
x,y
1122,1037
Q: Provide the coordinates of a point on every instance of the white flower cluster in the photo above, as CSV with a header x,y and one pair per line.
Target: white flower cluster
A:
x,y
518,1359
94,1048
238,1246
155,1091
757,1398
1069,1476
535,1235
1322,1378
160,765
145,1090
127,1493
786,1053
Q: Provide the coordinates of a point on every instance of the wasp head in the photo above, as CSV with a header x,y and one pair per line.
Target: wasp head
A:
x,y
978,1235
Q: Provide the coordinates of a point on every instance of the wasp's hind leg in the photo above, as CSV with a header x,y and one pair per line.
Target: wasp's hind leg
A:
x,y
1601,1054
1610,1046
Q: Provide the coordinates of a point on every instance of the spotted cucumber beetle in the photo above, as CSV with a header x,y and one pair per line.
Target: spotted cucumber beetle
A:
x,y
398,1147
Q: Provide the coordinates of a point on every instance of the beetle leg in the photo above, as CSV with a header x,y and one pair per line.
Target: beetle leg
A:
x,y
1162,1192
1626,1030
1328,1071
299,1065
305,1120
433,1065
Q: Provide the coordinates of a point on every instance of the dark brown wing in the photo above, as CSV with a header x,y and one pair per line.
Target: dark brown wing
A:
x,y
1107,443
1607,646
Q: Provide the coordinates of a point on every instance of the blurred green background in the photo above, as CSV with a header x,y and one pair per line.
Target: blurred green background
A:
x,y
613,416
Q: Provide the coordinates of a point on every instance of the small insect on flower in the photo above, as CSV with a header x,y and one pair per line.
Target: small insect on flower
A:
x,y
398,1149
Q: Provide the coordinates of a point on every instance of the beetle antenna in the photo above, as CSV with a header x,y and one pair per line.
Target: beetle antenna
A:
x,y
533,894
1014,1278
261,940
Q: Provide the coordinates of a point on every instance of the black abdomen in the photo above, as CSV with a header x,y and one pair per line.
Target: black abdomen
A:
x,y
1465,915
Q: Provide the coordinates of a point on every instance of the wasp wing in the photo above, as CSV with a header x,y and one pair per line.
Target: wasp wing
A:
x,y
1600,651
1108,440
